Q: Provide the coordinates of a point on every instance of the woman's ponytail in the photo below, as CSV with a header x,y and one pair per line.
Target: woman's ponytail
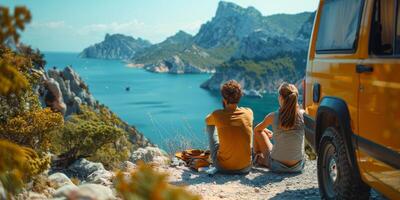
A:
x,y
289,110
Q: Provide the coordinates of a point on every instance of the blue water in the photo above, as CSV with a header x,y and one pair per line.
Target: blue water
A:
x,y
164,107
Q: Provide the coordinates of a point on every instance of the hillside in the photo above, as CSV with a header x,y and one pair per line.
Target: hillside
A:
x,y
177,54
258,76
262,62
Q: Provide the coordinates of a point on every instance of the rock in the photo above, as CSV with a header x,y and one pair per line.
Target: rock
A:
x,y
85,191
34,196
176,162
53,97
253,93
149,155
82,168
127,166
59,179
175,65
65,190
102,177
2,191
69,89
94,191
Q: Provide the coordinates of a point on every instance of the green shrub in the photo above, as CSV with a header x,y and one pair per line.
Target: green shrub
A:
x,y
94,135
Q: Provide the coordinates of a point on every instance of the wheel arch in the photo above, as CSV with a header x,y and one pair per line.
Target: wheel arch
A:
x,y
333,111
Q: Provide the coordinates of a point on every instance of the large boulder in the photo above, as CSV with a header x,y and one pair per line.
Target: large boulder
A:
x,y
82,168
102,177
58,180
85,191
150,155
127,166
69,88
64,191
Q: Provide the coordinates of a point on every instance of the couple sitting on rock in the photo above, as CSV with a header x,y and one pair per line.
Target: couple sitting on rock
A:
x,y
230,134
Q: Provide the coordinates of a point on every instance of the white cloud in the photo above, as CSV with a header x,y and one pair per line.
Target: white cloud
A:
x,y
48,25
128,27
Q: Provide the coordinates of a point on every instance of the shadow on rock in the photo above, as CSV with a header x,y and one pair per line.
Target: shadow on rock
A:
x,y
310,193
257,177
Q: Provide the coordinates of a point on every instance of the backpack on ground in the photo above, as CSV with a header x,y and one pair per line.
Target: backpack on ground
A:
x,y
195,158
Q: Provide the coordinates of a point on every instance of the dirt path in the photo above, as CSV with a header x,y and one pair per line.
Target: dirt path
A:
x,y
260,183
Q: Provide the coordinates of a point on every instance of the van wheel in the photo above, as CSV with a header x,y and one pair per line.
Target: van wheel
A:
x,y
336,179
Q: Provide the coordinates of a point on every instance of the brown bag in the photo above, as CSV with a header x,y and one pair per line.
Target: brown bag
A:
x,y
195,158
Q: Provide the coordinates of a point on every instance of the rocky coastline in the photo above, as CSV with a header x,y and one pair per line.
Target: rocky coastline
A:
x,y
237,43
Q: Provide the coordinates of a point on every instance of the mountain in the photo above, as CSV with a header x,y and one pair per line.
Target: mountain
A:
x,y
177,54
263,61
230,24
116,46
233,32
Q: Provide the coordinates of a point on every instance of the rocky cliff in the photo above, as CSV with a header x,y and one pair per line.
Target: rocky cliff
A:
x,y
263,61
115,46
73,92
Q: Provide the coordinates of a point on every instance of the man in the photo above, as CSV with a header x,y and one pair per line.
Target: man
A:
x,y
230,145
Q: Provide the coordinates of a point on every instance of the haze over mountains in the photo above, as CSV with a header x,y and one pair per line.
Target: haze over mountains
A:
x,y
237,43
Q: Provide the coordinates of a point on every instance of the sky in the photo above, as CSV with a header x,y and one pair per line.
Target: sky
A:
x,y
70,26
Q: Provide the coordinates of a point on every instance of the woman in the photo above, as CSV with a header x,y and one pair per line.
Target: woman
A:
x,y
287,152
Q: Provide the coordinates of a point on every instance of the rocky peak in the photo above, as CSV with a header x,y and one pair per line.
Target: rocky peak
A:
x,y
180,37
228,9
231,23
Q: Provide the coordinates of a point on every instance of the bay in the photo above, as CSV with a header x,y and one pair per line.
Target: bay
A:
x,y
168,109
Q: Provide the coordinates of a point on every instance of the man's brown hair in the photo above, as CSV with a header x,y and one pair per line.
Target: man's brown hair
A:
x,y
231,91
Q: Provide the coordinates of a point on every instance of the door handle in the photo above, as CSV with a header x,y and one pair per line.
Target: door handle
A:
x,y
364,69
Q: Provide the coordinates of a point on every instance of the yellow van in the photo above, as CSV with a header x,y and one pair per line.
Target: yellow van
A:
x,y
352,97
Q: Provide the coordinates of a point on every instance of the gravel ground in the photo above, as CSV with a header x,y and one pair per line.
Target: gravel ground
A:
x,y
260,183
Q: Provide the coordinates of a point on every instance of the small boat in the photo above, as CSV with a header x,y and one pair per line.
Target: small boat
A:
x,y
128,89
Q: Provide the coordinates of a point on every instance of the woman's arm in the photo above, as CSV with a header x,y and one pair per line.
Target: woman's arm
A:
x,y
265,123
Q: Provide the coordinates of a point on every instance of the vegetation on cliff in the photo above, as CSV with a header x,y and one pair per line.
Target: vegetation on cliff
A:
x,y
29,131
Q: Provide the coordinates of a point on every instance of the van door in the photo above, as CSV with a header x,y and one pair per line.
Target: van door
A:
x,y
379,100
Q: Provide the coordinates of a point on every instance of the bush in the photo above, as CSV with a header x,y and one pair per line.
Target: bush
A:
x,y
93,135
146,183
32,129
18,165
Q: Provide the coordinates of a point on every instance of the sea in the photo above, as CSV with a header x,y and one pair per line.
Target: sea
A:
x,y
168,109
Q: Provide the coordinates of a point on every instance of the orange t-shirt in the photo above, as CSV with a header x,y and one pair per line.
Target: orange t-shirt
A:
x,y
235,128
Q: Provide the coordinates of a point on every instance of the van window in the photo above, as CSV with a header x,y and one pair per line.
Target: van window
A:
x,y
338,27
398,30
383,28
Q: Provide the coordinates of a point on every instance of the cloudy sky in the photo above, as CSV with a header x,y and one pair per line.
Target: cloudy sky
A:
x,y
72,25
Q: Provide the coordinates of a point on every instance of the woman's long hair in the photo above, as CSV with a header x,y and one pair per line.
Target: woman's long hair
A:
x,y
289,110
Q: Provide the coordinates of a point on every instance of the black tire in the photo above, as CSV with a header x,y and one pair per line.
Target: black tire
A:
x,y
336,179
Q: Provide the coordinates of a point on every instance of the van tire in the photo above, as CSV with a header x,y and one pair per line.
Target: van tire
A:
x,y
336,179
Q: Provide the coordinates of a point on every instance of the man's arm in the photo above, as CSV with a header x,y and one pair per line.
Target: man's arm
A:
x,y
210,120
